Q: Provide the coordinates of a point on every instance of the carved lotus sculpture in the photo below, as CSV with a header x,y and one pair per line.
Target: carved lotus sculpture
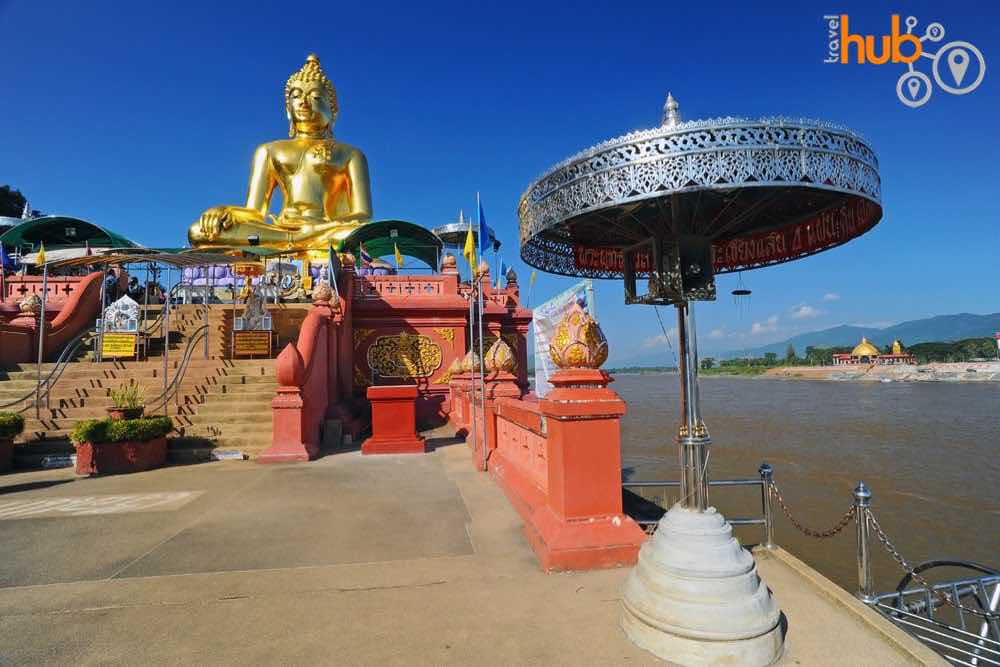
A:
x,y
499,358
323,293
31,305
578,341
470,362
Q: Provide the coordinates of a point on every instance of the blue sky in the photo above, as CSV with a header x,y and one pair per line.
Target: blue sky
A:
x,y
138,116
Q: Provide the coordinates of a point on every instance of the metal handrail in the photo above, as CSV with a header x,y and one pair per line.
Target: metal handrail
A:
x,y
160,401
765,482
45,386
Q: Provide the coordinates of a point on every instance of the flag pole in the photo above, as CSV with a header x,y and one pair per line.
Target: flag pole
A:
x,y
3,274
482,371
472,349
41,338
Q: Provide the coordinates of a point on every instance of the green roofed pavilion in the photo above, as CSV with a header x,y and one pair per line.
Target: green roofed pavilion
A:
x,y
381,238
58,232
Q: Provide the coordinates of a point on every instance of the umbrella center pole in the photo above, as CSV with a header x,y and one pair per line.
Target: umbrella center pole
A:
x,y
693,440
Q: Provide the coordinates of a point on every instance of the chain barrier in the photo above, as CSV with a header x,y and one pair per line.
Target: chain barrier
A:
x,y
905,565
840,525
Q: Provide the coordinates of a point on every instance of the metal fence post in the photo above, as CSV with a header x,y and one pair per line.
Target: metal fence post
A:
x,y
766,478
862,505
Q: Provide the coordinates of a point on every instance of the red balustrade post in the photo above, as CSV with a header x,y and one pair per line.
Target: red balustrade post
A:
x,y
499,384
582,526
459,417
290,440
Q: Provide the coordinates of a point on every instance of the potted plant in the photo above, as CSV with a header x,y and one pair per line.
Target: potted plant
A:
x,y
128,401
11,426
114,446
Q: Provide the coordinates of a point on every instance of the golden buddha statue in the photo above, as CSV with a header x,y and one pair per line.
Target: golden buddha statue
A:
x,y
324,183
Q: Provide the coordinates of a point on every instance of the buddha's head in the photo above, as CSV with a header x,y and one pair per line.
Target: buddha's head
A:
x,y
310,100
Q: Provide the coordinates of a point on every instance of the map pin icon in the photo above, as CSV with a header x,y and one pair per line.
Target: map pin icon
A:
x,y
958,62
914,86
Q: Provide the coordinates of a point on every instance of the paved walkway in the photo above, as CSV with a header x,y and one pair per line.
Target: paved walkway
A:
x,y
349,560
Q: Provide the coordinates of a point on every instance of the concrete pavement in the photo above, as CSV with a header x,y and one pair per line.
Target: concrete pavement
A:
x,y
349,560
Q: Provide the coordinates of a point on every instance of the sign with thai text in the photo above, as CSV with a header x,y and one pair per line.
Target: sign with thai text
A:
x,y
252,343
827,229
607,259
118,345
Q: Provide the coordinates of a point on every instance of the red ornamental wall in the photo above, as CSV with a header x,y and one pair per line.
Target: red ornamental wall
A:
x,y
426,321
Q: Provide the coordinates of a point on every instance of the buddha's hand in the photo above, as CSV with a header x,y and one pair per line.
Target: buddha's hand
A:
x,y
214,221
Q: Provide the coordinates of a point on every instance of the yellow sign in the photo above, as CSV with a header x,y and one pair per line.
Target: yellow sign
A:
x,y
118,345
252,344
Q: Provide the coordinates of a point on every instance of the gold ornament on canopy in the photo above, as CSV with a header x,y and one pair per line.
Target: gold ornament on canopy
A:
x,y
579,341
499,358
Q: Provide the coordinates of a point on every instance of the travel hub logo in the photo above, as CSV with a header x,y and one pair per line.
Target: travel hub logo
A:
x,y
965,64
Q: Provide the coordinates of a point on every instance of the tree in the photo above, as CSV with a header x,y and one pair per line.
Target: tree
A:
x,y
707,362
770,358
790,355
11,202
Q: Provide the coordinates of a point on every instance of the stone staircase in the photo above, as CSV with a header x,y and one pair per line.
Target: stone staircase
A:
x,y
219,404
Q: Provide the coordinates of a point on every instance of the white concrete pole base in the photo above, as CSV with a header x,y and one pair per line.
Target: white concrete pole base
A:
x,y
694,597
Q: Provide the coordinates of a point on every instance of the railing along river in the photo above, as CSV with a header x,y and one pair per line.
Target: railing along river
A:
x,y
938,614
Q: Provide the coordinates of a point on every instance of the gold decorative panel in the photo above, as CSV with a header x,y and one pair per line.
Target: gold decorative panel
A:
x,y
404,356
360,335
444,378
447,334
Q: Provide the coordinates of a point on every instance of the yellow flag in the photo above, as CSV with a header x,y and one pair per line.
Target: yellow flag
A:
x,y
469,251
41,255
534,275
399,255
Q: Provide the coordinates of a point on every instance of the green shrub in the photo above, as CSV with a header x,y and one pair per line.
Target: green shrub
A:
x,y
90,430
128,396
143,429
11,425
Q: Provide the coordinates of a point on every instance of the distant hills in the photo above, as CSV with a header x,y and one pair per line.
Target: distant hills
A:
x,y
938,328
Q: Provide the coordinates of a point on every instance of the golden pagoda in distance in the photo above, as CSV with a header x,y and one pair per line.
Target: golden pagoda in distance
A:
x,y
866,353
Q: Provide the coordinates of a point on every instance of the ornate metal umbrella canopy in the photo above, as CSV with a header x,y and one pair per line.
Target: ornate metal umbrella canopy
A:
x,y
684,201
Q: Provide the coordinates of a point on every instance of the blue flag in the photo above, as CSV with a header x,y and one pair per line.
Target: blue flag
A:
x,y
484,231
5,261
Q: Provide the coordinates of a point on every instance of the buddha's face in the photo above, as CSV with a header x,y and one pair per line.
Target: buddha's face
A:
x,y
309,109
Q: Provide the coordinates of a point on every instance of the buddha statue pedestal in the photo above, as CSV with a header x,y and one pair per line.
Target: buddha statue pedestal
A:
x,y
394,421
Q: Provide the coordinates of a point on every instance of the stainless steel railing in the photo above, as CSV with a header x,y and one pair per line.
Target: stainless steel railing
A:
x,y
958,619
938,614
765,481
43,386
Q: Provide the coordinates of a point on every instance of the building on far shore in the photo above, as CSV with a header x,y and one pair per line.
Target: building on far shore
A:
x,y
866,353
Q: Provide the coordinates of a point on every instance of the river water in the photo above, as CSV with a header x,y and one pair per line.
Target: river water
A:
x,y
929,452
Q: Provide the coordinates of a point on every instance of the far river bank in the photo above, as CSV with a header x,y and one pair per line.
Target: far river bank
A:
x,y
934,372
